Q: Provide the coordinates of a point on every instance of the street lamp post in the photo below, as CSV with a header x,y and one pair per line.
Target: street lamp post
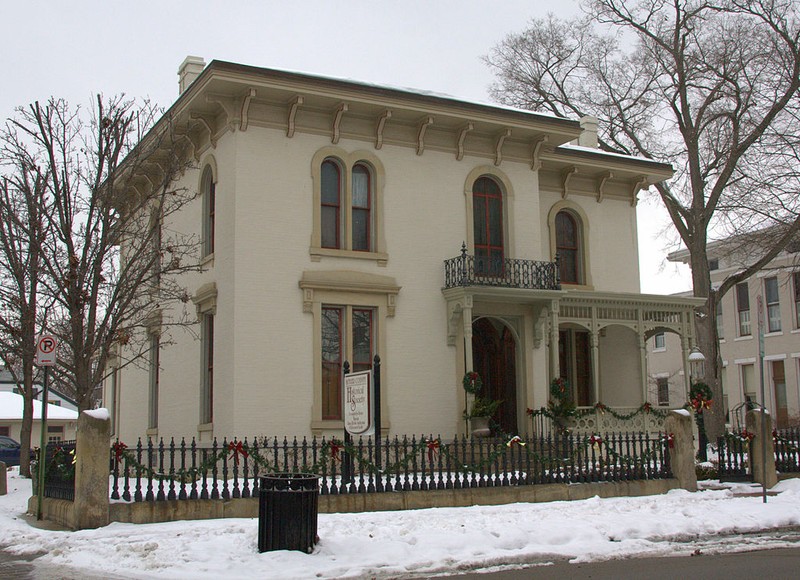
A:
x,y
696,361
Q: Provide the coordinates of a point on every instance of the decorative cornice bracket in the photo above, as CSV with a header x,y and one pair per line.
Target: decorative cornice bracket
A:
x,y
251,92
566,177
337,122
498,146
385,116
206,123
601,184
294,104
536,152
462,137
421,129
639,185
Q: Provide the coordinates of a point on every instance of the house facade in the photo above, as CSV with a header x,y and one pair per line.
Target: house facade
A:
x,y
338,221
62,422
766,304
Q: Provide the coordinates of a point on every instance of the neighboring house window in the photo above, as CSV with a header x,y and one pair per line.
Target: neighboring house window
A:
x,y
773,304
568,248
796,281
347,334
347,217
663,391
660,341
155,345
54,402
713,264
331,199
743,308
5,431
207,386
487,219
720,332
209,193
55,433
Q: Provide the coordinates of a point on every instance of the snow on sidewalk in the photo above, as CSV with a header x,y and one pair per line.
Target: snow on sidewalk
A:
x,y
392,544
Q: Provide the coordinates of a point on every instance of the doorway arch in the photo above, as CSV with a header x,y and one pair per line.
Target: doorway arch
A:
x,y
494,358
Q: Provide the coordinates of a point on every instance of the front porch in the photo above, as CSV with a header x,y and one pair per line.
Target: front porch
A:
x,y
595,340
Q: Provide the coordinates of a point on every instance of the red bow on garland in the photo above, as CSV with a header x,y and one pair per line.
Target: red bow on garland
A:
x,y
433,450
670,439
119,448
595,440
236,448
335,449
515,440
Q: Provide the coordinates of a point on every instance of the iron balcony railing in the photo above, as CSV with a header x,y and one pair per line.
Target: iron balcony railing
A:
x,y
468,270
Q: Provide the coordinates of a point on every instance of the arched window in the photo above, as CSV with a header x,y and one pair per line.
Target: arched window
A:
x,y
568,248
331,199
362,208
208,191
487,219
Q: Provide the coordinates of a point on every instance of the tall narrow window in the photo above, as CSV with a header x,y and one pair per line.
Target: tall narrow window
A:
x,y
796,284
720,332
155,344
331,198
332,324
568,248
749,384
663,391
207,387
743,308
347,334
660,341
773,304
487,216
209,210
362,209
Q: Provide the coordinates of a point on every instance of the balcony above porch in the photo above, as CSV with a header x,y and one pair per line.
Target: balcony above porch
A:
x,y
467,270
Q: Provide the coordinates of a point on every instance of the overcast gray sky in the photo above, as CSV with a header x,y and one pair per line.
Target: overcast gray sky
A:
x,y
74,49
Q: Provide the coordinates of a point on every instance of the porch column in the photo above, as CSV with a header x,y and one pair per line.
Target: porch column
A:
x,y
594,337
554,370
643,363
466,317
687,379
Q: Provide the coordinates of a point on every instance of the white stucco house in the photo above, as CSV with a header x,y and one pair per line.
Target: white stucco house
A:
x,y
62,423
342,220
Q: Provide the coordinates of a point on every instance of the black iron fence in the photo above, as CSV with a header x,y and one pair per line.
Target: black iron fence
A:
x,y
59,474
468,270
167,471
787,444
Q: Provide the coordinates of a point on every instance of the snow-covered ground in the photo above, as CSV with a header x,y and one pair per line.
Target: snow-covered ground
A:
x,y
408,543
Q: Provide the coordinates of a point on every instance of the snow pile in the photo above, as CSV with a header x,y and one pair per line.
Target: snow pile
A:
x,y
393,544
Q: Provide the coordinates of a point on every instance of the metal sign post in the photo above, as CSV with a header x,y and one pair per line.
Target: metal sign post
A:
x,y
763,398
45,357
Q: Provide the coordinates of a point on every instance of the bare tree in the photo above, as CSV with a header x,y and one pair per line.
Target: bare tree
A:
x,y
709,86
110,262
23,205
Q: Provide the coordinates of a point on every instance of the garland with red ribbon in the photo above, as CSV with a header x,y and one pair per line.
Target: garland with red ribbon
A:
x,y
236,448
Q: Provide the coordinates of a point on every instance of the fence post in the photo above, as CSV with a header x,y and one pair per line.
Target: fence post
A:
x,y
92,456
678,427
761,448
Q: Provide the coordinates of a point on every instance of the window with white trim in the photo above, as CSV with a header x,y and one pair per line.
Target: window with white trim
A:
x,y
208,191
152,406
773,304
660,341
663,391
743,308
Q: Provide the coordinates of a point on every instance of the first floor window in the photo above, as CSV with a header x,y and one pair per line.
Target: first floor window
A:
x,y
55,433
348,333
749,384
207,386
5,431
663,391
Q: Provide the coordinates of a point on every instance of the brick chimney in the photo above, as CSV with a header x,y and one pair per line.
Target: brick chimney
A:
x,y
588,137
189,70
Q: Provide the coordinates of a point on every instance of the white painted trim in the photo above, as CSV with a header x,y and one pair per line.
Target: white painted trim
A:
x,y
744,361
775,357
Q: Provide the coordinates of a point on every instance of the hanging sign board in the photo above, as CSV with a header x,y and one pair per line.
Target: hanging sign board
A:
x,y
358,402
46,350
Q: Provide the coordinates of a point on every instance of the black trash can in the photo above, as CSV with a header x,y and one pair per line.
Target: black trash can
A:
x,y
287,512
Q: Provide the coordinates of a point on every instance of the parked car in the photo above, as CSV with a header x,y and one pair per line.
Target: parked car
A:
x,y
9,451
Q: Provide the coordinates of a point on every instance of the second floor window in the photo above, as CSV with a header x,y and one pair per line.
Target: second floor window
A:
x,y
568,248
773,304
660,341
209,194
743,308
346,214
487,220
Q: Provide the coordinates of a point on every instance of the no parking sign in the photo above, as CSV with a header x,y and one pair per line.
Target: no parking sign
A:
x,y
46,350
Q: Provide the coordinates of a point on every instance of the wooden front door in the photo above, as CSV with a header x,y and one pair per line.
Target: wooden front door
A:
x,y
494,358
575,364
